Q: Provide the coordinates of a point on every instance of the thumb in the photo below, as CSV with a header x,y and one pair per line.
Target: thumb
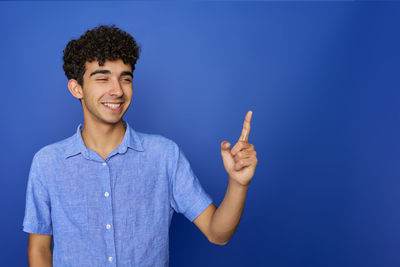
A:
x,y
225,146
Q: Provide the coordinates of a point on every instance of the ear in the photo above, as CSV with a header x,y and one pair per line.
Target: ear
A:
x,y
75,88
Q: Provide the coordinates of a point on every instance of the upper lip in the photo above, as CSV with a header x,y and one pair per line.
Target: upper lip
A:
x,y
112,102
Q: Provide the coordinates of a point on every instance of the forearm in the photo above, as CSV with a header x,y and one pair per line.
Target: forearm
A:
x,y
40,258
227,216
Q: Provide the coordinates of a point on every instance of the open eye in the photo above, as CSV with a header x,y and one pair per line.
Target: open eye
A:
x,y
101,79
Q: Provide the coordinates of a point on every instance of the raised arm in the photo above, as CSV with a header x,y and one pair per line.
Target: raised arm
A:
x,y
219,224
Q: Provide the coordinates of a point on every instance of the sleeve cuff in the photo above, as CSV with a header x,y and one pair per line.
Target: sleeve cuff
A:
x,y
198,208
37,229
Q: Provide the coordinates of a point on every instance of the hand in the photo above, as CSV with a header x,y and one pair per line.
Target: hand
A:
x,y
240,162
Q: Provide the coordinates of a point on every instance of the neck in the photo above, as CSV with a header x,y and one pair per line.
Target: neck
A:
x,y
103,138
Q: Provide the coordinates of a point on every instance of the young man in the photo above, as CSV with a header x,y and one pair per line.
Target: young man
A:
x,y
107,194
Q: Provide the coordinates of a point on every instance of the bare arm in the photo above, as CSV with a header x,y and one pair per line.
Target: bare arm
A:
x,y
219,224
39,251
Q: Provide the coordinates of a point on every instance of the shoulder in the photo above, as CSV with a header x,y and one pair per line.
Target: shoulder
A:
x,y
157,142
160,150
54,150
46,161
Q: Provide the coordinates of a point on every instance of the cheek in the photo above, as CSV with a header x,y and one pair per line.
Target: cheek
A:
x,y
91,98
95,95
128,93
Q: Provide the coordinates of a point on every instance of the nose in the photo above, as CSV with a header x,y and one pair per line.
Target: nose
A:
x,y
116,89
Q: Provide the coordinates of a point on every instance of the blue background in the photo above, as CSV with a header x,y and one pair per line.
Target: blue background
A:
x,y
323,82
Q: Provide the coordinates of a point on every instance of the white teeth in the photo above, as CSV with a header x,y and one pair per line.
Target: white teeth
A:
x,y
112,105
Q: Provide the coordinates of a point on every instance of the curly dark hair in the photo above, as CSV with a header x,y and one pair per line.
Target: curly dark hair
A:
x,y
100,43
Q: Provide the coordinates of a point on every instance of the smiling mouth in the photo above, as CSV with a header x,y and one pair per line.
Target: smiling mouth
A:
x,y
115,107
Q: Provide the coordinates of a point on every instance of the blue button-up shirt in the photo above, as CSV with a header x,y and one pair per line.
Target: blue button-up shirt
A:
x,y
113,212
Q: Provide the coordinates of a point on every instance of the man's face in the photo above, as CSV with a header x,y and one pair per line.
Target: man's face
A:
x,y
106,91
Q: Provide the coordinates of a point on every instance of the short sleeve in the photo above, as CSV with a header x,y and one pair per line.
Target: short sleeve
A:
x,y
37,218
188,197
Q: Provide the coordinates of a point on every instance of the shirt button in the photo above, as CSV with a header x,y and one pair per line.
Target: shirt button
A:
x,y
106,194
108,226
104,164
109,258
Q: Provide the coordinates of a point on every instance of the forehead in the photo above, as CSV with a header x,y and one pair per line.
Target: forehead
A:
x,y
115,66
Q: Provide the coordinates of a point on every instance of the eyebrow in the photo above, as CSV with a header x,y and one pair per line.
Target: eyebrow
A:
x,y
124,73
127,73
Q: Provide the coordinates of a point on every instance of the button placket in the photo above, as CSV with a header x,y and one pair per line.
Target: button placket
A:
x,y
109,231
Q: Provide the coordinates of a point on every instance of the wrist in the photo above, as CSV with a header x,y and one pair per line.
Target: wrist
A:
x,y
233,182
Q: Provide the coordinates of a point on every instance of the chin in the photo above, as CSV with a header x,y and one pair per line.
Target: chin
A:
x,y
115,121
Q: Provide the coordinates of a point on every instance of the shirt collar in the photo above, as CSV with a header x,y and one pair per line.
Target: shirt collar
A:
x,y
131,140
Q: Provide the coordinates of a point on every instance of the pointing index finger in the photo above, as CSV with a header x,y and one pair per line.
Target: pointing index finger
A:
x,y
246,127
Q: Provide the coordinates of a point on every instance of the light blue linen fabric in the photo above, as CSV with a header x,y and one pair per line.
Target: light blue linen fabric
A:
x,y
113,212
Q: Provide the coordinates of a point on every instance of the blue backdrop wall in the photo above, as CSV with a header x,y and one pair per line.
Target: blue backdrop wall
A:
x,y
321,78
